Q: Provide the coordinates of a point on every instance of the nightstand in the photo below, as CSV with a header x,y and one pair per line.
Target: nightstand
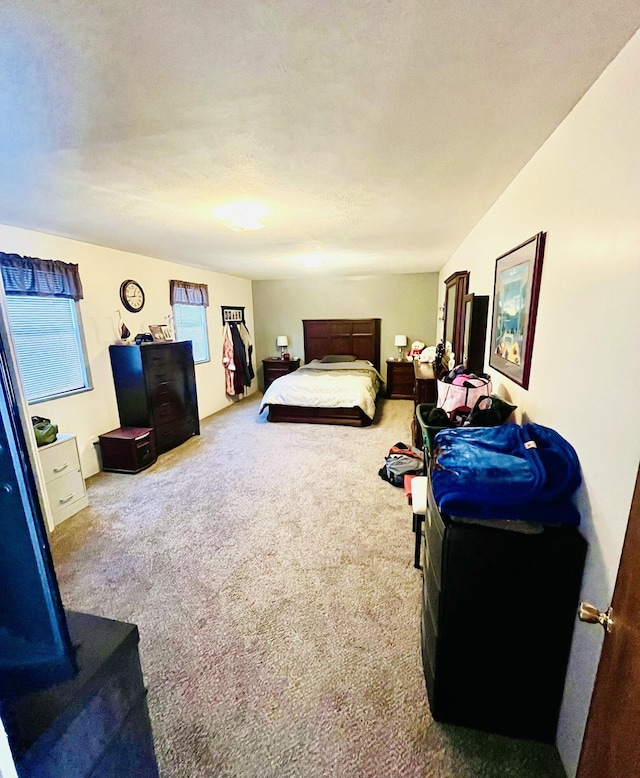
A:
x,y
274,368
400,380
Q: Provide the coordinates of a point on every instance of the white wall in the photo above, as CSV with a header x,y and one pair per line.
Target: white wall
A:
x,y
583,189
102,270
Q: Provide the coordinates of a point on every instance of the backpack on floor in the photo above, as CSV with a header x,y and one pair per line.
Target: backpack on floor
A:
x,y
400,461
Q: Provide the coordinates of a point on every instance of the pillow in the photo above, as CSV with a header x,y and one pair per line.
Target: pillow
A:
x,y
338,358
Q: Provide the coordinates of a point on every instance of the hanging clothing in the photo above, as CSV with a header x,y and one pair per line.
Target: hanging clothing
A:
x,y
237,352
228,361
248,372
239,359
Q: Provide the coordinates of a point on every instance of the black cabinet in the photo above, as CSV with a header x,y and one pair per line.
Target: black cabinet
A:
x,y
498,610
95,725
156,387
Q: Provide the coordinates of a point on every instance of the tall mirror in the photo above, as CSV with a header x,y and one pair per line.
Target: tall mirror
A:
x,y
457,287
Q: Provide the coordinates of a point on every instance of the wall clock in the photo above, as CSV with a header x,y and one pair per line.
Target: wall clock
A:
x,y
132,295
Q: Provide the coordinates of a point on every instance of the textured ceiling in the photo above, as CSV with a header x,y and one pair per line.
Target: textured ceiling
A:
x,y
378,132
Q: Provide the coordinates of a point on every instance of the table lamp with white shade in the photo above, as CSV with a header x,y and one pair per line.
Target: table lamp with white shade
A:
x,y
401,342
282,341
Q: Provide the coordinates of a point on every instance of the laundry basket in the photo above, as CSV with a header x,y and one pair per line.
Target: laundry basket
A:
x,y
428,432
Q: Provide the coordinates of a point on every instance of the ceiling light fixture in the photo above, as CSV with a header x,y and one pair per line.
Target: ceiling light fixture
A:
x,y
312,261
242,216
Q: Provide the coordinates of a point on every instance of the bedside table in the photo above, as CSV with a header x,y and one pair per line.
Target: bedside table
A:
x,y
274,368
400,380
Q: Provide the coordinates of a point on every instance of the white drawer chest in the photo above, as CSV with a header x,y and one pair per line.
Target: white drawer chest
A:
x,y
64,483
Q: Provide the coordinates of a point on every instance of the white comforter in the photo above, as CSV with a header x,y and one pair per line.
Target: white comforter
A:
x,y
327,385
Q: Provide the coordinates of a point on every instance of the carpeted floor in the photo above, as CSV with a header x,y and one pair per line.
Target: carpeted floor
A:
x,y
269,570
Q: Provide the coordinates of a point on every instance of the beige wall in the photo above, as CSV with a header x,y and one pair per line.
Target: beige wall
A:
x,y
405,303
102,270
583,188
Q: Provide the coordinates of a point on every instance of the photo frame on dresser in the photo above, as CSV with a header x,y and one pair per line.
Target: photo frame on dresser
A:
x,y
515,303
160,333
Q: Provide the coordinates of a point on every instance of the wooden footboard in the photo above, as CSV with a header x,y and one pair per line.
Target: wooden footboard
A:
x,y
350,417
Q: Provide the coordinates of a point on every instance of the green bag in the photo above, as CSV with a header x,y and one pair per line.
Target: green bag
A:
x,y
44,430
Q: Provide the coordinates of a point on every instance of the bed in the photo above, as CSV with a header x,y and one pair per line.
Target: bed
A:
x,y
333,392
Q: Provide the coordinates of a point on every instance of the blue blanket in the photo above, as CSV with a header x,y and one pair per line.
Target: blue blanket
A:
x,y
518,472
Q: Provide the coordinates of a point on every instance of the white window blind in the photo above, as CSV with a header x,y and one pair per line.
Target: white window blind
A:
x,y
191,324
48,343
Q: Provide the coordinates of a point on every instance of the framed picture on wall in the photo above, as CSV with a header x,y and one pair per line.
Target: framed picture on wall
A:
x,y
515,303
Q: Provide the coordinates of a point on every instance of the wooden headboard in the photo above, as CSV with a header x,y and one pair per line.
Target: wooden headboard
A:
x,y
360,337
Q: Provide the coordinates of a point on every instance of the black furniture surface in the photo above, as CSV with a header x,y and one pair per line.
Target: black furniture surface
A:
x,y
498,609
127,449
156,387
93,726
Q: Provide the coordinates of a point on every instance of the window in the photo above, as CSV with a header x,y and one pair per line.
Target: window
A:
x,y
48,340
191,324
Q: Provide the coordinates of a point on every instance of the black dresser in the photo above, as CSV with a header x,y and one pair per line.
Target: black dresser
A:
x,y
156,387
498,610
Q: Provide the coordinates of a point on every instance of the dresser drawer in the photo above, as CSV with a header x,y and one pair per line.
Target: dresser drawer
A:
x,y
157,356
160,374
276,372
161,391
167,410
65,490
169,435
404,381
58,459
275,368
175,432
428,645
434,535
431,593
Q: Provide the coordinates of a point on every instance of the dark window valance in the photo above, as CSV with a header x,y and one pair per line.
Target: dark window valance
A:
x,y
40,277
185,293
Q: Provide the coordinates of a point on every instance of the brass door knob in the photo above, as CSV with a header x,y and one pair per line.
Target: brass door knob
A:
x,y
592,615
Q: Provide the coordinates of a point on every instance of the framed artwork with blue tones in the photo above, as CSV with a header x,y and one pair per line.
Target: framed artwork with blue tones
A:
x,y
515,303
